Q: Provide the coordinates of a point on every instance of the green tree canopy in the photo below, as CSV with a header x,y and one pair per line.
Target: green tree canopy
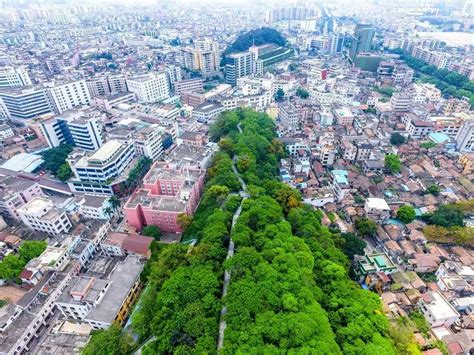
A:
x,y
393,163
397,139
446,216
152,231
55,158
279,95
365,226
406,213
108,342
302,92
433,189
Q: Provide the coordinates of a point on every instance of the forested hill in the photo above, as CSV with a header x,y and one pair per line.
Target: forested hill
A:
x,y
289,289
258,36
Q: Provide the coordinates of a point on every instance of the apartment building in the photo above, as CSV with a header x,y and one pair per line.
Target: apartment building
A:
x,y
188,85
237,65
52,258
344,116
107,85
14,193
23,323
82,128
148,141
340,183
289,116
207,112
419,128
400,102
95,173
438,59
41,214
150,88
204,57
465,137
25,102
11,77
169,190
101,302
67,95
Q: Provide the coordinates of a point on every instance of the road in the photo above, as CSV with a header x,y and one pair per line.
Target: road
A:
x,y
230,250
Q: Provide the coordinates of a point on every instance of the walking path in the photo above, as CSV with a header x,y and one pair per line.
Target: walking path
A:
x,y
230,250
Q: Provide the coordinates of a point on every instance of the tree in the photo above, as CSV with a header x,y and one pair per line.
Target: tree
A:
x,y
433,189
393,163
108,211
184,221
256,37
152,231
31,249
353,245
279,95
365,226
397,139
446,216
64,172
427,145
54,158
114,202
406,213
12,265
108,342
218,192
302,92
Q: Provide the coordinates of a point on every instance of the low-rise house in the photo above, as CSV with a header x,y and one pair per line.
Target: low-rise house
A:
x,y
437,310
373,263
120,244
424,263
95,207
377,209
52,258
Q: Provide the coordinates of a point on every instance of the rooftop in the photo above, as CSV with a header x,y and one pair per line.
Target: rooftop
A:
x,y
122,278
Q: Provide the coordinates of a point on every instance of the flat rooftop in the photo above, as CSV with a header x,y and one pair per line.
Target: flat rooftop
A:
x,y
106,151
122,278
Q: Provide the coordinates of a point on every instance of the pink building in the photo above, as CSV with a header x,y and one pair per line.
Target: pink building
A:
x,y
168,191
16,192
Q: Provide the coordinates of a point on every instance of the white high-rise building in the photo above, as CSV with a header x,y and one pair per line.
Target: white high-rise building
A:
x,y
150,88
465,137
66,96
14,77
81,128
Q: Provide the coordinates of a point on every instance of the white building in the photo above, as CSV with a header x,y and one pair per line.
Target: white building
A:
x,y
42,215
5,132
150,88
65,96
377,209
13,77
94,207
400,102
148,142
100,302
465,137
93,174
437,310
419,128
25,102
82,128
